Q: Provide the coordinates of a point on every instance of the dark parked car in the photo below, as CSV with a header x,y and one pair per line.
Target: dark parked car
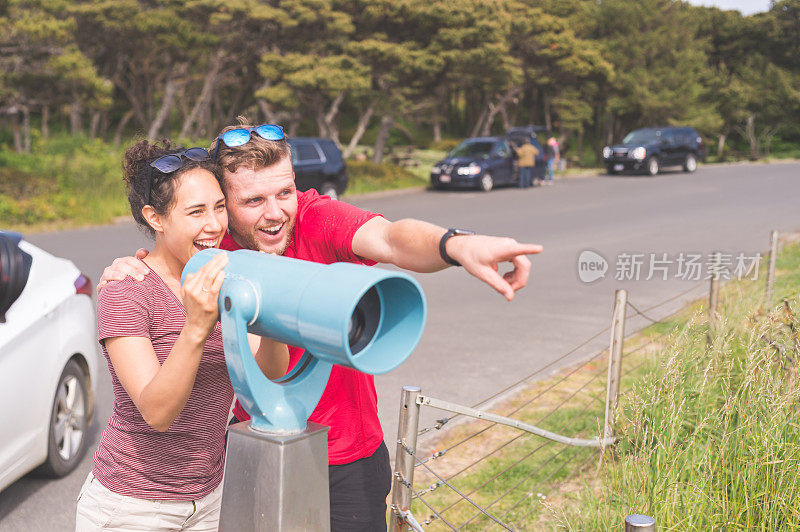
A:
x,y
318,164
517,137
649,150
482,162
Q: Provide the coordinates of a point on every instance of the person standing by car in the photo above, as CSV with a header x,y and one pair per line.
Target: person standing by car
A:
x,y
526,159
160,461
553,156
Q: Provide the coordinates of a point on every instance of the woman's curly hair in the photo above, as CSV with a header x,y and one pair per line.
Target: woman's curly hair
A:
x,y
136,169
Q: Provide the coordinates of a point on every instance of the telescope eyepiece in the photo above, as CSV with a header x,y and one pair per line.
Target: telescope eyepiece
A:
x,y
364,321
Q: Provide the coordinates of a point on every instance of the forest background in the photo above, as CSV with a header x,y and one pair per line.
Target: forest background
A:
x,y
84,76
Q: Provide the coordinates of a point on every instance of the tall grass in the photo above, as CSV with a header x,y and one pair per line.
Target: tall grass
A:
x,y
710,436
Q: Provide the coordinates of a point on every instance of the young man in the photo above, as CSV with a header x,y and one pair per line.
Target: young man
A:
x,y
267,213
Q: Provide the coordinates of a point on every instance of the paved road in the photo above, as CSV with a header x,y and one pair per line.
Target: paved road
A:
x,y
475,342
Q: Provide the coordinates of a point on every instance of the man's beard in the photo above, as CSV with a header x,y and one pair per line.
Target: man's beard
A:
x,y
249,240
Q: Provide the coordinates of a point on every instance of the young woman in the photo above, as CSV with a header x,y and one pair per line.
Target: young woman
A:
x,y
160,460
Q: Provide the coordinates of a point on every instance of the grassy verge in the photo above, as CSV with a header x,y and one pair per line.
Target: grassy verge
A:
x,y
709,435
73,181
66,181
710,438
367,176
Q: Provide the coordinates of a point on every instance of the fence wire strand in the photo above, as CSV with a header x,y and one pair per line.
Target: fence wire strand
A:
x,y
517,409
539,468
473,503
640,313
580,466
526,378
526,477
585,408
419,497
484,510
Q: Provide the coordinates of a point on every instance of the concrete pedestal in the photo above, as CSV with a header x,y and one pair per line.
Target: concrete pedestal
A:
x,y
276,482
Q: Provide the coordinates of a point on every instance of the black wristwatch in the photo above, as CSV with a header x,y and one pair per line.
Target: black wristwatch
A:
x,y
443,242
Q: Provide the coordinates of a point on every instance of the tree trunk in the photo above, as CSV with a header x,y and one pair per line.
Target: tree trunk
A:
x,y
404,130
721,145
269,115
610,129
330,118
163,112
437,131
16,130
75,117
476,129
765,139
121,126
45,121
580,145
94,125
504,118
548,120
206,93
387,122
361,128
103,133
749,132
499,107
319,117
294,125
26,129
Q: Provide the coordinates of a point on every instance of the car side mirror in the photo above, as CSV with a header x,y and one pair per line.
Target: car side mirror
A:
x,y
15,266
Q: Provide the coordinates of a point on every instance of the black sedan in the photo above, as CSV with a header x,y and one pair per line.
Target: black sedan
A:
x,y
483,163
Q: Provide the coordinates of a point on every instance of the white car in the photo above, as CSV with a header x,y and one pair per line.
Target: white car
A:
x,y
48,361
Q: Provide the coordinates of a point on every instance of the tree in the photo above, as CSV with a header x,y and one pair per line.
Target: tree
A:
x,y
43,67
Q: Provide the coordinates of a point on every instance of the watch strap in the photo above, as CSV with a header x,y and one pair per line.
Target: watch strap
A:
x,y
443,243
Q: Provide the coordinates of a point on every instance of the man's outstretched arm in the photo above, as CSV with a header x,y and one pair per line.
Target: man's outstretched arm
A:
x,y
414,245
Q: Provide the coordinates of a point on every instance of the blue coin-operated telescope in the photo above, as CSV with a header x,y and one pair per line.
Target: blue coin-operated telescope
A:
x,y
359,317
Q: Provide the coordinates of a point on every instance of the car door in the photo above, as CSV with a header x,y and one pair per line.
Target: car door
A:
x,y
309,162
502,162
670,148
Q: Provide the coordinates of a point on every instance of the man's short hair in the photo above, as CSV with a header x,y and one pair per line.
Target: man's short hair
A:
x,y
255,154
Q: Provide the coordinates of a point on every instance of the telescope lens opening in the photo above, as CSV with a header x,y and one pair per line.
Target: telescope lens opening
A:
x,y
364,321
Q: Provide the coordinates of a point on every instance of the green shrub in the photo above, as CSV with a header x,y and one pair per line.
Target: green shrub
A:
x,y
445,145
367,176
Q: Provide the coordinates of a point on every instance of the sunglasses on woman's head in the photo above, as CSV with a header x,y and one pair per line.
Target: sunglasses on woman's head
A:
x,y
242,135
166,164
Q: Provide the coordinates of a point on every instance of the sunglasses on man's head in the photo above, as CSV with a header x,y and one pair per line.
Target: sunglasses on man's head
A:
x,y
242,135
166,164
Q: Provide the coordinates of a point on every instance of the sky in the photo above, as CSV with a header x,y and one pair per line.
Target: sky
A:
x,y
747,7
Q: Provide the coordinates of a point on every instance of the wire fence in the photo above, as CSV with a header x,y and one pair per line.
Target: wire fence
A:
x,y
511,465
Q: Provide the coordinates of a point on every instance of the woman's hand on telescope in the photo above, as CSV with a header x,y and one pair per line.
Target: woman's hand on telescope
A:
x,y
200,295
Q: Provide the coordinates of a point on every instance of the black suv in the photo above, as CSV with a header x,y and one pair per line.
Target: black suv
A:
x,y
318,164
650,149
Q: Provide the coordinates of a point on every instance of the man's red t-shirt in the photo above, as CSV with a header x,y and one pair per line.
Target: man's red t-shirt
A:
x,y
323,233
